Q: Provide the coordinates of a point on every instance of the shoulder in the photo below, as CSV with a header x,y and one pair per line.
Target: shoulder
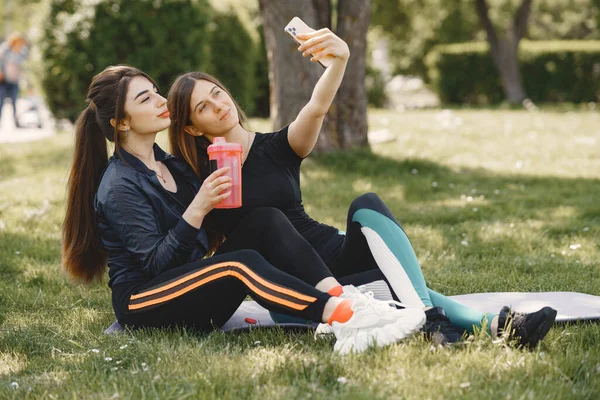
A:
x,y
277,138
119,182
277,145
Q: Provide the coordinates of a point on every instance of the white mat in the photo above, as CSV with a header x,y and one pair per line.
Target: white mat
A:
x,y
571,306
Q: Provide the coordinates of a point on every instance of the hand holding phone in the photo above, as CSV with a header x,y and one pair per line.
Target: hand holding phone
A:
x,y
295,27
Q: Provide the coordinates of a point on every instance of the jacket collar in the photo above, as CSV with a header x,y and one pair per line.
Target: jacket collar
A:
x,y
137,164
159,155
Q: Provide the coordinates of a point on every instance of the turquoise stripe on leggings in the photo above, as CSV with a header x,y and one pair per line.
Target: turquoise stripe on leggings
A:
x,y
460,315
398,243
396,240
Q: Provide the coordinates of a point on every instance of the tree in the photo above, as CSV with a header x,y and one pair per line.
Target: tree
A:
x,y
292,78
80,41
232,58
505,48
414,27
16,15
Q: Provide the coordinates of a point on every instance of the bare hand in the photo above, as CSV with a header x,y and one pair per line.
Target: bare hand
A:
x,y
216,187
322,43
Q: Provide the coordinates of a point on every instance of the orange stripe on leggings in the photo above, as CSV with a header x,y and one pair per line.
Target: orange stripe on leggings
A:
x,y
243,267
236,274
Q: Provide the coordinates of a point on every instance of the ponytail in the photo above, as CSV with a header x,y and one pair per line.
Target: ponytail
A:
x,y
83,255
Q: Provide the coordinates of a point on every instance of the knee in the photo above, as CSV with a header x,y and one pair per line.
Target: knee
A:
x,y
248,257
268,218
368,200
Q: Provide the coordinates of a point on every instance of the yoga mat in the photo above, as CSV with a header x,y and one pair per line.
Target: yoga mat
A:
x,y
571,307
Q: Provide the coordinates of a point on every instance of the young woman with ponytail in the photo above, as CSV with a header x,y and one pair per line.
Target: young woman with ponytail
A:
x,y
142,212
374,243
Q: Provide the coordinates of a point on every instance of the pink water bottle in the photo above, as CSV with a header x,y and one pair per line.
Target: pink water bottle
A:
x,y
222,154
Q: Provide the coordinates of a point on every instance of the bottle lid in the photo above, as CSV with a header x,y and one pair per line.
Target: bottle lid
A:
x,y
220,144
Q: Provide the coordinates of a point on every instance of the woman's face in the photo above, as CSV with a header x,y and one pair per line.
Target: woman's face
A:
x,y
212,111
146,110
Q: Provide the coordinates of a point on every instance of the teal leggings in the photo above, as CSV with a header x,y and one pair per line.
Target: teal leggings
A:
x,y
371,227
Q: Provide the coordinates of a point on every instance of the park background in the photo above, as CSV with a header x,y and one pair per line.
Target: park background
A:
x,y
475,120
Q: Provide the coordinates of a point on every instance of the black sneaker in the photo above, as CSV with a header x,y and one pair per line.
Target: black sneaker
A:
x,y
528,329
439,329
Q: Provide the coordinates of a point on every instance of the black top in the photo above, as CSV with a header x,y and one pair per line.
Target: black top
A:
x,y
185,190
271,178
140,222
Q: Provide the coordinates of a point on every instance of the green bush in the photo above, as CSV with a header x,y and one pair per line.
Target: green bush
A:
x,y
554,71
232,58
161,37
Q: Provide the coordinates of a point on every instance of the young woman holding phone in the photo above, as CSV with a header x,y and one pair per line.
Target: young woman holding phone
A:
x,y
374,242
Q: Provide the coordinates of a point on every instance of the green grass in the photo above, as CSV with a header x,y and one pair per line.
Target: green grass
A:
x,y
517,188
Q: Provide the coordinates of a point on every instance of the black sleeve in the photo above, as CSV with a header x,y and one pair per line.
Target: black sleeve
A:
x,y
278,147
134,220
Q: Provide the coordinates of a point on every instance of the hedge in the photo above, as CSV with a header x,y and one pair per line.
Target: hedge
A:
x,y
163,38
551,71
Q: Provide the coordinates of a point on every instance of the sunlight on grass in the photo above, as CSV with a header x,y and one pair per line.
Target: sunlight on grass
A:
x,y
11,363
543,143
562,212
492,200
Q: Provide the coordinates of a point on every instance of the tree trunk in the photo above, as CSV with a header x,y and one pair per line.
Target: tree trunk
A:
x,y
505,50
507,59
292,79
351,100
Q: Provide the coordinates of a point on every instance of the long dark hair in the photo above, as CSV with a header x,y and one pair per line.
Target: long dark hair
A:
x,y
83,255
190,148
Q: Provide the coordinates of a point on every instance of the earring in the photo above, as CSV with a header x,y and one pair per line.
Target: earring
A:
x,y
127,132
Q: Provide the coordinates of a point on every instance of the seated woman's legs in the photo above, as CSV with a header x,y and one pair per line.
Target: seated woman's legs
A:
x,y
391,250
268,231
205,294
375,239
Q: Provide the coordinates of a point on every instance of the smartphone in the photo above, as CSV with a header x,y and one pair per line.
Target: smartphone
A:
x,y
295,26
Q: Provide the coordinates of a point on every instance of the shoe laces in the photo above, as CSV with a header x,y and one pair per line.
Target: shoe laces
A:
x,y
368,299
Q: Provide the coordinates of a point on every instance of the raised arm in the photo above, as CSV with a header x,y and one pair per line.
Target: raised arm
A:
x,y
304,131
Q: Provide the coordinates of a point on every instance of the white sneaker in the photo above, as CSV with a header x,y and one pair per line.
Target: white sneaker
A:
x,y
377,289
325,330
375,322
380,290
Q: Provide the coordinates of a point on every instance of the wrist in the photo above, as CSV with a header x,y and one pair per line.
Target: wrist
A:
x,y
194,216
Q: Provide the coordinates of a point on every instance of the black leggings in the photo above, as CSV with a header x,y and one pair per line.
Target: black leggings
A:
x,y
204,294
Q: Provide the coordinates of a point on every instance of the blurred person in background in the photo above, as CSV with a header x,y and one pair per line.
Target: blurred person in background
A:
x,y
13,53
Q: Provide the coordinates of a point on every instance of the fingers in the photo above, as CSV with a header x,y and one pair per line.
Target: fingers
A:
x,y
221,188
223,196
220,180
216,180
306,36
313,41
318,47
217,173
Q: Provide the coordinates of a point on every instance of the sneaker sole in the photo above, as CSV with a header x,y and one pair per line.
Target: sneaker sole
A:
x,y
543,329
407,325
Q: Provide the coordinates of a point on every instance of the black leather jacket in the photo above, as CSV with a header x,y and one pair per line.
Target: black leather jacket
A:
x,y
140,221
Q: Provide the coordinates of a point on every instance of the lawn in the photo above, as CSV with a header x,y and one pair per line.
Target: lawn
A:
x,y
493,200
